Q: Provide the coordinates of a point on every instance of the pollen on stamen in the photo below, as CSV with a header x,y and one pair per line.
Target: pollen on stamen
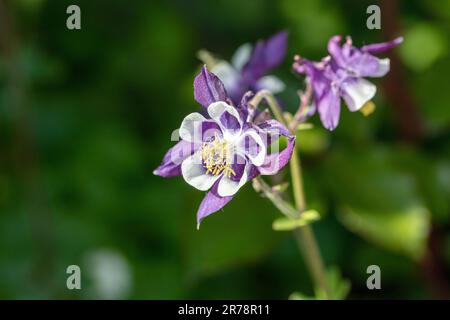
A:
x,y
216,157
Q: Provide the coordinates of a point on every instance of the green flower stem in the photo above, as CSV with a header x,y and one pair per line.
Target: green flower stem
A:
x,y
285,207
304,235
271,101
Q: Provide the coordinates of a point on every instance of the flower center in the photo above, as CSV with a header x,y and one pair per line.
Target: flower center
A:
x,y
217,157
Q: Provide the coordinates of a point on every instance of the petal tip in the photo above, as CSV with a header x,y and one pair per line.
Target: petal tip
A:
x,y
398,40
330,126
283,34
336,38
208,88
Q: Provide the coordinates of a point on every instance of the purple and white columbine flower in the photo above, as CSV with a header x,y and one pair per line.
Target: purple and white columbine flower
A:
x,y
222,147
341,74
249,67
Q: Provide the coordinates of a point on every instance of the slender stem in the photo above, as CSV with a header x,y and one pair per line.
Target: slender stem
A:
x,y
305,98
297,182
271,101
285,207
304,235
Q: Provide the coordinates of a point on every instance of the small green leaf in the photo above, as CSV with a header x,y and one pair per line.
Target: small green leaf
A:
x,y
339,286
287,224
280,188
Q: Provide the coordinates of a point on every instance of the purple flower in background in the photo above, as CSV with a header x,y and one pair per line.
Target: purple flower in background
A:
x,y
223,148
249,67
342,74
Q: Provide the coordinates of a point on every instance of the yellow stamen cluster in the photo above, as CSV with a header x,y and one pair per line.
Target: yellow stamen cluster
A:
x,y
216,157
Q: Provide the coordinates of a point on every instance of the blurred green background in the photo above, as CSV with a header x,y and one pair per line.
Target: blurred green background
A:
x,y
85,117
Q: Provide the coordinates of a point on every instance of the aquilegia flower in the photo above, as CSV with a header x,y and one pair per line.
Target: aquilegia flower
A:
x,y
223,148
341,74
249,67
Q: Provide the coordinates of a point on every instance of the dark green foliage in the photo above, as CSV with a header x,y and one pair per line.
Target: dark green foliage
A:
x,y
85,117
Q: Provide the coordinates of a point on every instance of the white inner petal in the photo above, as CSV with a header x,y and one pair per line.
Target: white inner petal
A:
x,y
191,127
228,187
226,73
255,142
241,56
216,110
383,67
357,93
271,83
195,174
